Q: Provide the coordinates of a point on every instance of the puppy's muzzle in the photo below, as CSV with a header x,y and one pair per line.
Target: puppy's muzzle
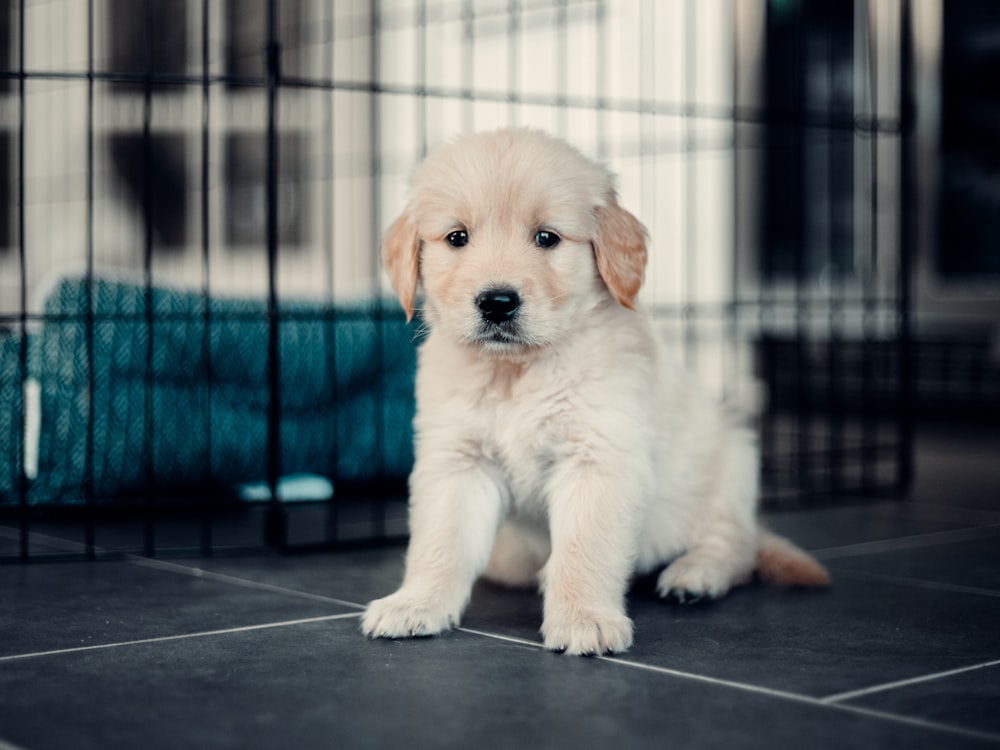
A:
x,y
498,306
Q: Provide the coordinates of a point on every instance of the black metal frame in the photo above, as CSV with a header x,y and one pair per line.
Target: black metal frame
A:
x,y
839,419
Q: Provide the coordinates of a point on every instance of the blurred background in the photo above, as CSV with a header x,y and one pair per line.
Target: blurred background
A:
x,y
192,193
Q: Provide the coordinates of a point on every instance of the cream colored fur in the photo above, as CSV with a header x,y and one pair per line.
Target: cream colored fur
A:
x,y
565,449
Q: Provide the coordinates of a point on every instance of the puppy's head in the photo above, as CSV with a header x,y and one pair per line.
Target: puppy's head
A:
x,y
514,237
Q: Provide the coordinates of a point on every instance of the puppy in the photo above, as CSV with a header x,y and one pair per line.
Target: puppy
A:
x,y
556,443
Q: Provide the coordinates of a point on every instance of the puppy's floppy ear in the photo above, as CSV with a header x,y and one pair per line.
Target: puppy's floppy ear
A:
x,y
620,248
401,258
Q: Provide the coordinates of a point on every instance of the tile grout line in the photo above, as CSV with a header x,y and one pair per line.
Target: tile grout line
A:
x,y
183,636
884,687
916,721
969,516
500,637
914,541
918,583
744,686
189,570
67,545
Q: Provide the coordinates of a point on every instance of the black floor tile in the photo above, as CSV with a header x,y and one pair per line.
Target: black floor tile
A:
x,y
319,685
971,563
10,545
364,575
950,513
969,699
49,606
856,522
131,532
870,663
858,634
357,576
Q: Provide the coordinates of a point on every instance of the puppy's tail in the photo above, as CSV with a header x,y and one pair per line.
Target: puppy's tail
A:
x,y
779,561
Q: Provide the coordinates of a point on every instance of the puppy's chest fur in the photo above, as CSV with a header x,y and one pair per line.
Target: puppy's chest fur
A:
x,y
525,424
520,417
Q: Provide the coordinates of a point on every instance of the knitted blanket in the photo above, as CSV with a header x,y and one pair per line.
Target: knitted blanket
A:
x,y
162,391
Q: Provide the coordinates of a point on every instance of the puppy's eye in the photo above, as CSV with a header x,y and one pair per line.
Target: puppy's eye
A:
x,y
459,238
546,239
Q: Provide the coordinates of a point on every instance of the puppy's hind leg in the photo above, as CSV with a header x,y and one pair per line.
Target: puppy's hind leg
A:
x,y
722,559
454,515
518,555
722,552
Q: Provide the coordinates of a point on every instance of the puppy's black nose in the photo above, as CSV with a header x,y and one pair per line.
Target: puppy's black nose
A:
x,y
498,305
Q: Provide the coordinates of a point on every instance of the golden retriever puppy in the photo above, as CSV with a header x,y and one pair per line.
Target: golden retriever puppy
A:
x,y
556,443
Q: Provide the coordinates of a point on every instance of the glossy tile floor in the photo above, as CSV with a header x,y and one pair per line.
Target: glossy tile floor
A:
x,y
264,651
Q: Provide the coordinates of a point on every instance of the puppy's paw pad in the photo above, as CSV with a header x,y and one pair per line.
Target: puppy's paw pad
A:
x,y
689,580
590,635
402,616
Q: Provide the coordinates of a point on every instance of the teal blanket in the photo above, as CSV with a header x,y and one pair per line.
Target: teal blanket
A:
x,y
161,391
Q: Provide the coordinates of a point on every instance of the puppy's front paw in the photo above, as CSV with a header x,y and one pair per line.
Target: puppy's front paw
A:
x,y
587,633
405,615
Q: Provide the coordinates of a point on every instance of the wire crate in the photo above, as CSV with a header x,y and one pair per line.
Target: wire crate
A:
x,y
197,346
